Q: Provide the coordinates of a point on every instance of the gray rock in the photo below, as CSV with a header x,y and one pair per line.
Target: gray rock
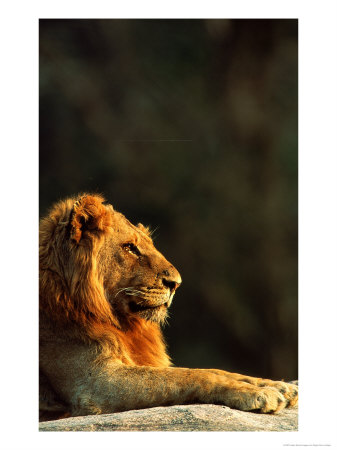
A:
x,y
180,418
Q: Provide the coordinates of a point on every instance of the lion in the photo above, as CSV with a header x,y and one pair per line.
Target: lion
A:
x,y
105,291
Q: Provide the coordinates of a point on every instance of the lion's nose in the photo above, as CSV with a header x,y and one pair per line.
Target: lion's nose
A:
x,y
171,280
172,285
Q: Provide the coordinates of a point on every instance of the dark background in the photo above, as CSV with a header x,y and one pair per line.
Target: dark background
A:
x,y
189,126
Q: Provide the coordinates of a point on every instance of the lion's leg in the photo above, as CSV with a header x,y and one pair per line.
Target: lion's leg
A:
x,y
289,391
131,387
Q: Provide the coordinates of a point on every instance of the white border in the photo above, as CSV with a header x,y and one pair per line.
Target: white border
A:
x,y
317,219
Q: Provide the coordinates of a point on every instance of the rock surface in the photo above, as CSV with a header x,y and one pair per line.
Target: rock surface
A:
x,y
180,418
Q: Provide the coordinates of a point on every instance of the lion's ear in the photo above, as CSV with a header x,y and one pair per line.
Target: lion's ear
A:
x,y
89,214
144,229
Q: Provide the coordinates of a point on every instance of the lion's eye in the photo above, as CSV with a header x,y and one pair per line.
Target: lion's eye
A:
x,y
131,248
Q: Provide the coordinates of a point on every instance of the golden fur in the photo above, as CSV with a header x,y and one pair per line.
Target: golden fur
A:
x,y
104,292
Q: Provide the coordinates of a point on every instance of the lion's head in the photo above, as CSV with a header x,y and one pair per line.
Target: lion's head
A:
x,y
96,266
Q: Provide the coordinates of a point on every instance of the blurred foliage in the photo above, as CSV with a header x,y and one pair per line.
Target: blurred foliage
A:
x,y
189,126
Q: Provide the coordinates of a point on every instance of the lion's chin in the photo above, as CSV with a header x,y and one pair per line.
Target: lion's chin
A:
x,y
152,313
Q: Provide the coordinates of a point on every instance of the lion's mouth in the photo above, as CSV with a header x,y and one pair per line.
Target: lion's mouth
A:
x,y
147,299
138,307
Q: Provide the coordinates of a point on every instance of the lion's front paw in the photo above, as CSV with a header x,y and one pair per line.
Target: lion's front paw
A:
x,y
289,391
265,398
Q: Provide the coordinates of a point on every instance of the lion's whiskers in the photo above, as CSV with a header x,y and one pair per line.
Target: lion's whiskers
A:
x,y
135,293
121,290
130,291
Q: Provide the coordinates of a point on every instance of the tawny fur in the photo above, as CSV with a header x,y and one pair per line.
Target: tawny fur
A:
x,y
104,292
